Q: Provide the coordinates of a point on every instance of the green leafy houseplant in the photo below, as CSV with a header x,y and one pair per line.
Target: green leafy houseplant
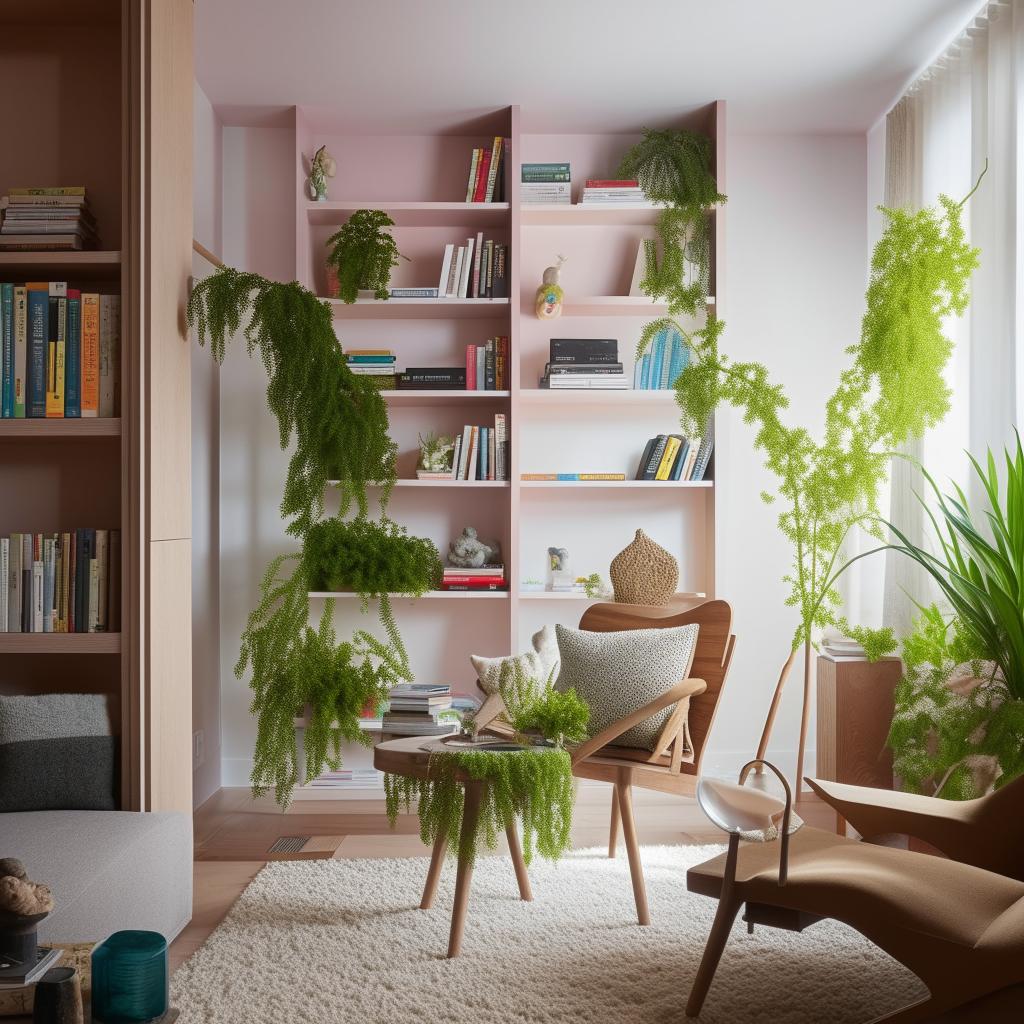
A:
x,y
893,389
363,254
338,425
673,167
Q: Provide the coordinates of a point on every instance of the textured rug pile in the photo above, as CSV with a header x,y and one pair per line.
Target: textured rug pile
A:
x,y
339,941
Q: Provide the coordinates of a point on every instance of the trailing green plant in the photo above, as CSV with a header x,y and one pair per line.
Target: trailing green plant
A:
x,y
363,253
957,729
592,584
673,167
533,786
893,389
338,424
532,706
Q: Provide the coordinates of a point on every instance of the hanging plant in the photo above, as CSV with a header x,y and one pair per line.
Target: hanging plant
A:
x,y
673,167
363,254
338,425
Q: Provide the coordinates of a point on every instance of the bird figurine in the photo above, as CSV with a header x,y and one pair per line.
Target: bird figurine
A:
x,y
548,304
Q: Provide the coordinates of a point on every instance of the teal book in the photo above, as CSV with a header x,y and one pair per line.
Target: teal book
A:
x,y
658,360
645,372
73,357
681,457
7,326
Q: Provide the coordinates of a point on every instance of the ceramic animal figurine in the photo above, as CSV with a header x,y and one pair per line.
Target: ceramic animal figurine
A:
x,y
469,552
321,167
548,304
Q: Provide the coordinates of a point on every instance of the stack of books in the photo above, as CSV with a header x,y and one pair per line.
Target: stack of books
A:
x,y
487,173
674,457
486,577
546,183
658,369
431,378
61,354
413,293
372,362
842,647
421,709
15,974
584,363
481,453
47,219
347,778
487,365
613,192
61,583
476,270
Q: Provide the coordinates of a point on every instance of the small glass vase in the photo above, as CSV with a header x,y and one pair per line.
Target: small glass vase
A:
x,y
130,978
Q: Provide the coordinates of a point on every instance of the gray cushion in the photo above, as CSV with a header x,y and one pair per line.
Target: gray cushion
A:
x,y
57,752
619,672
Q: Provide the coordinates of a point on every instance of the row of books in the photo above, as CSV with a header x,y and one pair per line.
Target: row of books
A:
x,y
61,351
674,457
66,582
371,362
476,270
658,369
484,577
589,363
481,453
613,192
421,709
46,219
487,365
488,172
545,183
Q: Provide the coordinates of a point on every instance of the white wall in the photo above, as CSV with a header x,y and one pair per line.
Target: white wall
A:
x,y
206,640
793,298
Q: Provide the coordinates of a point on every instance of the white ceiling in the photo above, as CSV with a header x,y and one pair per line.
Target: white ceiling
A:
x,y
782,65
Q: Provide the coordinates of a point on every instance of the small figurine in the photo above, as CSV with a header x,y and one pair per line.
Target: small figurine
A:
x,y
548,304
20,896
470,553
321,167
436,451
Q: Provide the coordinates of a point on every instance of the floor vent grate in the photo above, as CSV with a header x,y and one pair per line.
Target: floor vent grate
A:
x,y
289,844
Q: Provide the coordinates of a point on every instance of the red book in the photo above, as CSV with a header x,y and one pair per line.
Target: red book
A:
x,y
483,169
466,586
471,368
481,580
612,183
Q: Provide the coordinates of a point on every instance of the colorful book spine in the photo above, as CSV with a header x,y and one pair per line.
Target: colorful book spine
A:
x,y
73,357
483,170
7,362
492,170
658,359
668,457
20,351
55,368
471,368
90,396
474,164
38,330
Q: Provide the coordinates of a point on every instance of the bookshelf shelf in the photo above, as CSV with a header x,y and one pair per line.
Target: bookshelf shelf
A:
x,y
457,595
576,215
417,215
620,485
441,398
441,483
547,595
60,643
73,428
617,305
418,309
76,265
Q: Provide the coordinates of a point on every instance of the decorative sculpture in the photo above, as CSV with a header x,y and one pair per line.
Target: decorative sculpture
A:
x,y
470,552
644,572
548,304
321,167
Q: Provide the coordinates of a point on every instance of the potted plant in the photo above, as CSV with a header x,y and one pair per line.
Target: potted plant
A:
x,y
362,254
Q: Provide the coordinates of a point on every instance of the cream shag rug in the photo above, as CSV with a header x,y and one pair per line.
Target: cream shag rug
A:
x,y
338,941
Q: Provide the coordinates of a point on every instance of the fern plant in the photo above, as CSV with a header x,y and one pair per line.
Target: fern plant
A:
x,y
337,424
673,167
893,389
363,253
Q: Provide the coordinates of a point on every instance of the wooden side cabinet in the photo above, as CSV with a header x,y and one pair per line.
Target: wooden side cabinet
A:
x,y
855,708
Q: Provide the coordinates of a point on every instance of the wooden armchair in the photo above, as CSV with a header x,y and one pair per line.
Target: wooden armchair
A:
x,y
670,768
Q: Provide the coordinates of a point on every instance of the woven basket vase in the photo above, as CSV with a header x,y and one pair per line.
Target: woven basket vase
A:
x,y
644,572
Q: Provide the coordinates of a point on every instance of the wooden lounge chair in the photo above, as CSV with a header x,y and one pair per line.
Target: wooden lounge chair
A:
x,y
671,767
958,924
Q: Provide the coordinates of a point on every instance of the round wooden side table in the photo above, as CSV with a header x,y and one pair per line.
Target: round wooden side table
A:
x,y
408,757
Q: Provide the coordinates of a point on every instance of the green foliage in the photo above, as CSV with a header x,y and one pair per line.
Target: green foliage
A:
x,y
591,584
893,389
533,785
951,741
338,424
982,579
674,167
363,253
877,643
556,715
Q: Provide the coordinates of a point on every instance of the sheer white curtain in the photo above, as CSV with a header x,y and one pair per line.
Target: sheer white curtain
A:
x,y
966,109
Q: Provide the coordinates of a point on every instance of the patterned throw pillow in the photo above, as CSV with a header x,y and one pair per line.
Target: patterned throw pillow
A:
x,y
616,673
57,753
535,664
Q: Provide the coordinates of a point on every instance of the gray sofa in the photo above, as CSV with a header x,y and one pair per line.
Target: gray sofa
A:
x,y
109,870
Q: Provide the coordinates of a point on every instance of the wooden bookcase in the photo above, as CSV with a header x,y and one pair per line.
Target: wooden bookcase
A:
x,y
419,178
96,102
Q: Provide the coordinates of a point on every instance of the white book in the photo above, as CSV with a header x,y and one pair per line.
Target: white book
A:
x,y
467,270
500,449
481,367
446,266
48,581
37,595
691,458
110,354
453,285
94,595
467,438
456,454
102,543
20,348
5,572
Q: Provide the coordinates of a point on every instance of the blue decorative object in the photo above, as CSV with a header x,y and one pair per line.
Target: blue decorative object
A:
x,y
129,978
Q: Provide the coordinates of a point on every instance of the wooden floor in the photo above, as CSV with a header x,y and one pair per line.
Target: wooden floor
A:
x,y
233,833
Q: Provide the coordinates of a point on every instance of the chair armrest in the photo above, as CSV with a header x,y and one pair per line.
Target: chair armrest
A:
x,y
682,690
492,707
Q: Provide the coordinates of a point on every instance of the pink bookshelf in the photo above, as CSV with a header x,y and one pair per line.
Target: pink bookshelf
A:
x,y
418,176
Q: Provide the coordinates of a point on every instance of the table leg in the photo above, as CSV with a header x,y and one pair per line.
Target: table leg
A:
x,y
518,863
434,873
470,815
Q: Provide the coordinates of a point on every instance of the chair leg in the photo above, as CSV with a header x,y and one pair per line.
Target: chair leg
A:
x,y
613,829
624,793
